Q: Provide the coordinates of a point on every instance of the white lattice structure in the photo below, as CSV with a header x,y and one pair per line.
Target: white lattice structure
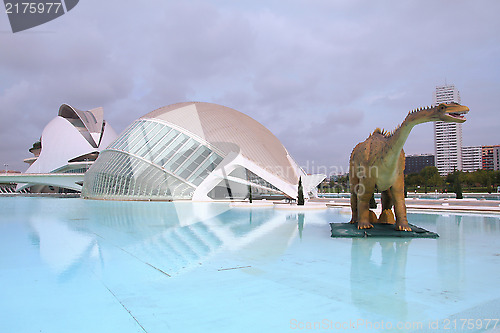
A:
x,y
195,151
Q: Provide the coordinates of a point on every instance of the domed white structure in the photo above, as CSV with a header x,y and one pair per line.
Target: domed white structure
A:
x,y
70,143
195,151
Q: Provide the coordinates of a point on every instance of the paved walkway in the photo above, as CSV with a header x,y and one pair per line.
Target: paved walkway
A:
x,y
454,205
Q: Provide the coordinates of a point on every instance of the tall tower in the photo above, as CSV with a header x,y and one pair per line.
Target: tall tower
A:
x,y
447,136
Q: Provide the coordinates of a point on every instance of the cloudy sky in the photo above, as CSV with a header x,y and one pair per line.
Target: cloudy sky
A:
x,y
320,74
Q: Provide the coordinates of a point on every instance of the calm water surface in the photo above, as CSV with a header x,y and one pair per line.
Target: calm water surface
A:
x,y
73,265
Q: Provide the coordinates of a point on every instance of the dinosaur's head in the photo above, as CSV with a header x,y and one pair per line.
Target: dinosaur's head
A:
x,y
451,112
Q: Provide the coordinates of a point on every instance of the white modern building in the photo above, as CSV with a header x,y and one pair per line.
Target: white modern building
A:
x,y
472,158
70,143
447,135
195,151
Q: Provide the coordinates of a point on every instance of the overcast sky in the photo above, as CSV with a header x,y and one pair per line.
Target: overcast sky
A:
x,y
320,74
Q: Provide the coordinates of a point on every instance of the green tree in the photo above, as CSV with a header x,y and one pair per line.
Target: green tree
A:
x,y
458,185
337,189
480,177
250,193
300,195
413,180
436,180
468,179
496,177
430,177
342,183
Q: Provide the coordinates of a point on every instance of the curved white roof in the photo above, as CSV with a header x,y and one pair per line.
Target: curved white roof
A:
x,y
230,130
71,134
92,121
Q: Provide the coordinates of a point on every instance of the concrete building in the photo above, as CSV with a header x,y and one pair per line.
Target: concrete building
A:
x,y
496,158
472,158
447,136
70,143
415,163
195,151
490,157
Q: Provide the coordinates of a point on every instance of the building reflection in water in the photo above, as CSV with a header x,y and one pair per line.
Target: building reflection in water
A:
x,y
378,281
171,237
451,259
454,248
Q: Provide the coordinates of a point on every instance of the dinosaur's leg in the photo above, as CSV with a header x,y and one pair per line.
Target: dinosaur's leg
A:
x,y
386,216
365,192
386,198
354,182
398,197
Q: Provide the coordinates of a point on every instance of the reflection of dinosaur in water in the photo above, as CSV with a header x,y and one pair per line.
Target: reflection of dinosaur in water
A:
x,y
380,161
369,279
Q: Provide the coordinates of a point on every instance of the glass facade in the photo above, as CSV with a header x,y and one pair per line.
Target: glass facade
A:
x,y
269,188
227,189
150,161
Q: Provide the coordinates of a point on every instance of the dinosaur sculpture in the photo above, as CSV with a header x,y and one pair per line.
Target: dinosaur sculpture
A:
x,y
380,161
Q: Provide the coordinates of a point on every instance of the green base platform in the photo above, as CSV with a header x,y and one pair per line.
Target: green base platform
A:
x,y
348,230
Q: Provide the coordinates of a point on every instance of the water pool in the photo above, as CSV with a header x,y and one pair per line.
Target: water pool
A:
x,y
73,265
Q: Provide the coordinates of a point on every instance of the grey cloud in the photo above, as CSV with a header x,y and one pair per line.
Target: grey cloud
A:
x,y
336,68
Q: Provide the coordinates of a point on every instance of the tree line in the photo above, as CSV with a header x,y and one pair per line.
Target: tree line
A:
x,y
428,179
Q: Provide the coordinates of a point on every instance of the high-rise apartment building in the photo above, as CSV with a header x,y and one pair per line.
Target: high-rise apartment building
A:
x,y
490,157
447,136
496,158
472,158
415,163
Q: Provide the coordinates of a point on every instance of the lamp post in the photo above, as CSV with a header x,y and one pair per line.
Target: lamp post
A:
x,y
6,165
